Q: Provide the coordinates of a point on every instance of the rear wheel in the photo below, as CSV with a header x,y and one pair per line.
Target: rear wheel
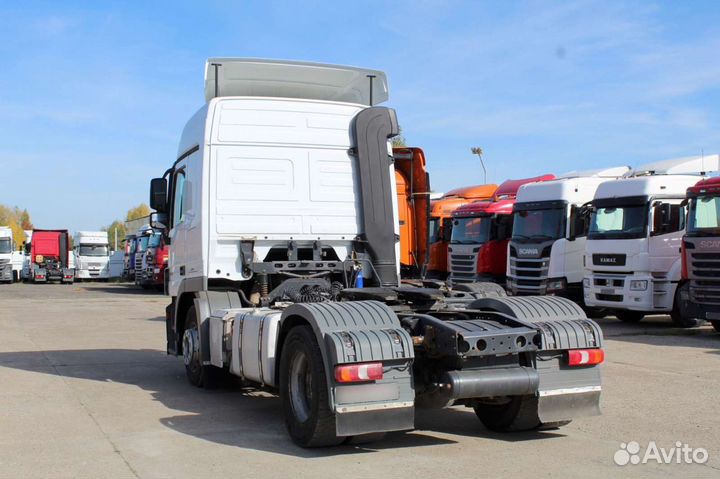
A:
x,y
716,325
303,391
518,414
629,316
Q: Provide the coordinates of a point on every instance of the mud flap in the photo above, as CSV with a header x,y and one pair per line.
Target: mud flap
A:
x,y
393,418
561,405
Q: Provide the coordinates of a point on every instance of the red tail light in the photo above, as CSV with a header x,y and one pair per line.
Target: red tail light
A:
x,y
585,357
683,261
353,373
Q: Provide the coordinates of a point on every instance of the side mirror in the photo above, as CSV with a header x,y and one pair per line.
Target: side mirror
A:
x,y
158,194
158,221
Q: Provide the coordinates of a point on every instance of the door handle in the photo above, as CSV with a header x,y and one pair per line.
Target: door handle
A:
x,y
182,270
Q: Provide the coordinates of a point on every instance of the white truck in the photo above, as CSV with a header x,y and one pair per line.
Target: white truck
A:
x,y
632,258
92,254
7,245
549,233
280,204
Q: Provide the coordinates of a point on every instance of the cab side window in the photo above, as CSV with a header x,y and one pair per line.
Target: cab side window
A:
x,y
668,218
178,197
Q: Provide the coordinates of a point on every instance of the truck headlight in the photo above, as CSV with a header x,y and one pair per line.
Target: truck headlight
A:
x,y
586,282
555,284
638,285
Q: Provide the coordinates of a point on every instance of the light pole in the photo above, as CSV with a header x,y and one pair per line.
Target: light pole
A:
x,y
476,150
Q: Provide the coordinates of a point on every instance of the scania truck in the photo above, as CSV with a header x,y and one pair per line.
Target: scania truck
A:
x,y
480,234
6,254
282,218
700,284
549,232
92,254
632,253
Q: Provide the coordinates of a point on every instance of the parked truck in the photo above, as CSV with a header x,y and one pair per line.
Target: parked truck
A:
x,y
92,255
281,197
154,258
7,246
480,234
700,283
549,233
440,228
129,258
632,253
50,257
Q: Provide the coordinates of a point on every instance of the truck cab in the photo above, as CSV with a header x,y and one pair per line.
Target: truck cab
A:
x,y
700,284
440,225
480,234
129,258
150,259
92,255
50,257
549,233
632,258
7,246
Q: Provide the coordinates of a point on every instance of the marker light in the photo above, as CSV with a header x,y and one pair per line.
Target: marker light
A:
x,y
585,357
353,373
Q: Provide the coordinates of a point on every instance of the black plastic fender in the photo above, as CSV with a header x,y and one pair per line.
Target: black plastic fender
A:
x,y
358,332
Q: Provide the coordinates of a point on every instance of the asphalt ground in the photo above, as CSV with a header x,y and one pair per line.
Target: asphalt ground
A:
x,y
86,390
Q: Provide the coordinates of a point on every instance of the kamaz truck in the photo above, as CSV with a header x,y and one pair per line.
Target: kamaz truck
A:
x,y
282,219
6,254
700,283
50,257
92,255
549,233
480,234
632,253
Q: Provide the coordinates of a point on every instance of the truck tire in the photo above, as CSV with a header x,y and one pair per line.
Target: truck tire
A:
x,y
679,317
716,325
629,316
481,290
198,374
519,414
304,393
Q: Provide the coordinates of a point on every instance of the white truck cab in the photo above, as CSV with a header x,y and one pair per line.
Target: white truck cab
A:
x,y
549,233
91,250
632,258
7,246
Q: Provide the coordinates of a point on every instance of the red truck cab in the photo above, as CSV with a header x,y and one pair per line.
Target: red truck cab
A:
x,y
700,248
480,234
50,257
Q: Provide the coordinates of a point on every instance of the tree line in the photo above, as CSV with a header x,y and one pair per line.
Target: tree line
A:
x,y
18,220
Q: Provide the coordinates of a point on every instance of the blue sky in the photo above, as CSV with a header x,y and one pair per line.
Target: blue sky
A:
x,y
93,95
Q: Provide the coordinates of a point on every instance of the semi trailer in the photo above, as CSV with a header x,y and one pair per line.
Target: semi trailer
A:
x,y
440,227
281,215
549,233
92,255
50,257
480,234
700,271
632,253
6,254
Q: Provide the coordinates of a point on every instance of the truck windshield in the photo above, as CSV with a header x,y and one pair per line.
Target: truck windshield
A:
x,y
539,225
154,241
474,230
5,246
704,216
618,222
142,244
434,230
93,250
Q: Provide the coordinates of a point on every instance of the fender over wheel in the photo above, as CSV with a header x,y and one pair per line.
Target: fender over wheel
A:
x,y
198,374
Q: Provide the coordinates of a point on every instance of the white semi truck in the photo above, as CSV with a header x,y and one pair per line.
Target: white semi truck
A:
x,y
280,205
549,233
92,254
7,246
632,258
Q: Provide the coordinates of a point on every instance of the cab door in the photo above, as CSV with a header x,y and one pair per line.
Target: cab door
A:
x,y
177,259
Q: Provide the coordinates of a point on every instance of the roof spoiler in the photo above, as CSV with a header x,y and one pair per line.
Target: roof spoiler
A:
x,y
689,165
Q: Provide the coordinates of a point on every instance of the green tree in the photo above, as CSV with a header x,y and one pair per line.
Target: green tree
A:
x,y
24,219
140,211
399,140
119,227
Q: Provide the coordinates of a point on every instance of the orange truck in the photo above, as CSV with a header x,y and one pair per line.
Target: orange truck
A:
x,y
425,225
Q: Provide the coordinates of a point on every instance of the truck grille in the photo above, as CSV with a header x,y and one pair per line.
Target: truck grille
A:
x,y
463,267
705,269
138,264
529,275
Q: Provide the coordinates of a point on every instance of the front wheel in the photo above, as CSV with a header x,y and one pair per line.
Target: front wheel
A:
x,y
679,317
198,374
520,413
627,316
304,391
